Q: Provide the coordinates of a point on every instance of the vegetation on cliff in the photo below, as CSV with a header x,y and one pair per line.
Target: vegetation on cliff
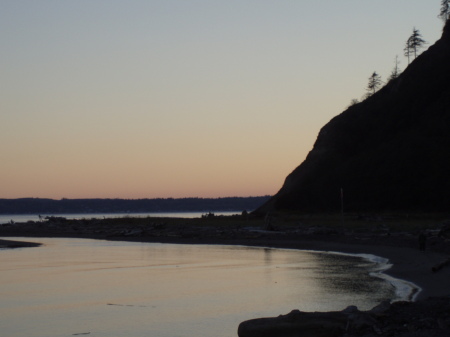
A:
x,y
389,152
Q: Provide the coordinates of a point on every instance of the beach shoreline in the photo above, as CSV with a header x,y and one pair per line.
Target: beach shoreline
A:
x,y
408,262
426,316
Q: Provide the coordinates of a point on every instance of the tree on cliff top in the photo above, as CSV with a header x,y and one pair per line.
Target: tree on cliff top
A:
x,y
445,10
414,44
374,83
396,71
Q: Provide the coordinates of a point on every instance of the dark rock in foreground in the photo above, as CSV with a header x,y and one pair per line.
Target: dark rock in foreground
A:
x,y
389,152
413,319
296,323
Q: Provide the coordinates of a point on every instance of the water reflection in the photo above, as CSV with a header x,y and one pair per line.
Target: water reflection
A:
x,y
332,272
106,288
268,255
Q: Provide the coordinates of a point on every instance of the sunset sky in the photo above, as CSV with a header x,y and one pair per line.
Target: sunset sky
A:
x,y
204,98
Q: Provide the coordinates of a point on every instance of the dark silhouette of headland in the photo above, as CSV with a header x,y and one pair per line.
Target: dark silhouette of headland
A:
x,y
390,152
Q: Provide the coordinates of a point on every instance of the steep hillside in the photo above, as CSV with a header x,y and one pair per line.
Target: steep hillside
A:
x,y
389,152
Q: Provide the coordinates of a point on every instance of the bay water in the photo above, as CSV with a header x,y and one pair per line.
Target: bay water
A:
x,y
74,287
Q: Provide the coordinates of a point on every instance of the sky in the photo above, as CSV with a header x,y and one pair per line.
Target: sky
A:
x,y
175,98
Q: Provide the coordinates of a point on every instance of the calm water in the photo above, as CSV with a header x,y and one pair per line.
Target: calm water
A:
x,y
74,286
6,218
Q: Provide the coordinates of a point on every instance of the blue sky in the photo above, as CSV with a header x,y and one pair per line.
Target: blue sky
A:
x,y
136,99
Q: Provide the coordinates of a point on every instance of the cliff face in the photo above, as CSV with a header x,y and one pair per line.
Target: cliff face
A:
x,y
389,152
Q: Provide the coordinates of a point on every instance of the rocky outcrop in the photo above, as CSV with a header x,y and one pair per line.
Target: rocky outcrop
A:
x,y
426,318
389,152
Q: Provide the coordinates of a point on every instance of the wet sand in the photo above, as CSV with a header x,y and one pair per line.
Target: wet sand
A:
x,y
17,244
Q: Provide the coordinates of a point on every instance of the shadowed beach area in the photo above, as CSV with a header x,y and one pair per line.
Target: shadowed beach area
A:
x,y
17,244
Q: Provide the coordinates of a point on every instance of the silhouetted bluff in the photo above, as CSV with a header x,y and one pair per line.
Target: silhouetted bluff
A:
x,y
389,152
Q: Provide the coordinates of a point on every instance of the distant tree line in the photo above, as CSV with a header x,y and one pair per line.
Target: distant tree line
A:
x,y
65,206
411,50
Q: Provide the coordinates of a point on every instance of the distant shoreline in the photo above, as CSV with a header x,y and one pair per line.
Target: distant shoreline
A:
x,y
100,205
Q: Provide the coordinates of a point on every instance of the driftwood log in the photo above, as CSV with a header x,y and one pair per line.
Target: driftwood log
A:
x,y
424,318
441,265
309,324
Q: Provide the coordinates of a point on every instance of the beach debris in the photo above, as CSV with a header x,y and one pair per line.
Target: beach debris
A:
x,y
422,241
323,324
444,232
330,324
127,305
268,222
441,265
423,318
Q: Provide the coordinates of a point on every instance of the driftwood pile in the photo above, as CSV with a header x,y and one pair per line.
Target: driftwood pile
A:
x,y
425,318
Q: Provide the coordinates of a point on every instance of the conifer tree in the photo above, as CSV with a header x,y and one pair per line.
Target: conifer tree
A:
x,y
354,101
407,50
396,71
445,10
414,44
374,83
